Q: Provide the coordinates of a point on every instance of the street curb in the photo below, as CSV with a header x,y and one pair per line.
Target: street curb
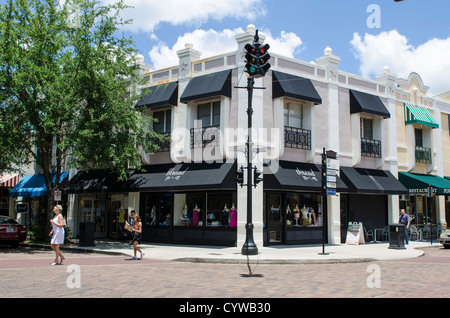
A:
x,y
272,261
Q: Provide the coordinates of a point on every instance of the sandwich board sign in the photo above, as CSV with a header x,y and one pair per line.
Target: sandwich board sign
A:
x,y
354,233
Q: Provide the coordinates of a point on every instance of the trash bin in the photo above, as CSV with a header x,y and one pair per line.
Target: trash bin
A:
x,y
87,230
397,236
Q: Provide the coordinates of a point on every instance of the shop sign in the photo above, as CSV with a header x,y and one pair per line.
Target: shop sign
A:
x,y
354,231
172,174
22,208
307,175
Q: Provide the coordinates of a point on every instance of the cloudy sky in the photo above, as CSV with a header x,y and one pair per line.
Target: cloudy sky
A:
x,y
413,35
408,36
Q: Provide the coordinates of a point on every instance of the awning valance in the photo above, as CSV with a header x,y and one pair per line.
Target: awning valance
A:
x,y
366,103
418,183
211,85
296,176
9,180
92,181
295,87
160,95
419,115
371,181
184,177
34,185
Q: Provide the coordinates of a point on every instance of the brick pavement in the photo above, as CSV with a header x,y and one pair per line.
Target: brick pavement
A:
x,y
29,275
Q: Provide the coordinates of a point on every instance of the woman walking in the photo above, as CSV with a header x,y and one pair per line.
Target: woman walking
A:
x,y
137,230
57,234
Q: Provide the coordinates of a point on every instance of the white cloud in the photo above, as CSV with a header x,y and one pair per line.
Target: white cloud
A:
x,y
148,14
430,59
208,41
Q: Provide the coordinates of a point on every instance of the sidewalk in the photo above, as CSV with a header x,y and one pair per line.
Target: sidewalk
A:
x,y
308,254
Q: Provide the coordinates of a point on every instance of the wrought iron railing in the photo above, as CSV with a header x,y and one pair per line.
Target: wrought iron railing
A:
x,y
163,145
205,136
423,154
370,148
297,138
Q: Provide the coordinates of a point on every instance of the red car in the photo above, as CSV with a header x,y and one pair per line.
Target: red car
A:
x,y
11,232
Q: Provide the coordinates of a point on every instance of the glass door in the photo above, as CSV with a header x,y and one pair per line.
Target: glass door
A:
x,y
274,219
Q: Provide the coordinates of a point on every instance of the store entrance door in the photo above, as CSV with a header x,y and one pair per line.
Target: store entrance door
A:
x,y
274,220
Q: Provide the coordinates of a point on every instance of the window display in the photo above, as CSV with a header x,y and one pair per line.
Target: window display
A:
x,y
303,210
157,209
194,209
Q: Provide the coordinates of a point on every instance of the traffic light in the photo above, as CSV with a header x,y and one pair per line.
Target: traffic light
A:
x,y
256,58
257,177
240,176
250,58
263,58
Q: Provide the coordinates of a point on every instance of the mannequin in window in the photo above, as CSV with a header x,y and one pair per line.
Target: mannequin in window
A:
x,y
224,216
296,215
233,216
289,215
195,216
185,220
305,218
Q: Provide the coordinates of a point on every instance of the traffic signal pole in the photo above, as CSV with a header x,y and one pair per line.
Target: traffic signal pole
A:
x,y
256,66
249,247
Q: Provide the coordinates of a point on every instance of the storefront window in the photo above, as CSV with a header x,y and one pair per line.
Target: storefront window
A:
x,y
221,210
194,209
303,210
157,209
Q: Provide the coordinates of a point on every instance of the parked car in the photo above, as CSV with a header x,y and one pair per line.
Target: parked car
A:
x,y
445,238
11,232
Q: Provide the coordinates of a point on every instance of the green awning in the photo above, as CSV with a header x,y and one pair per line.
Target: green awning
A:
x,y
419,115
418,183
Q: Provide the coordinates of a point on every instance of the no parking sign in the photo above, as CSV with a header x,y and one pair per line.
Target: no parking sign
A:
x,y
57,196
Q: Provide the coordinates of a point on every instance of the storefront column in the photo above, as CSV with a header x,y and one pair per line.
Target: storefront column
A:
x,y
393,209
72,214
133,202
334,219
440,212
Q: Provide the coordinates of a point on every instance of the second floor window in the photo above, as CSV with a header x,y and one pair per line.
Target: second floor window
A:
x,y
293,115
366,128
164,123
419,137
209,114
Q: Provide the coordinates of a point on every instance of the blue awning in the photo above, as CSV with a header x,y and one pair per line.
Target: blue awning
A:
x,y
33,185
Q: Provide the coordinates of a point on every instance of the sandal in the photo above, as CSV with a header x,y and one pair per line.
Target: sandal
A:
x,y
63,258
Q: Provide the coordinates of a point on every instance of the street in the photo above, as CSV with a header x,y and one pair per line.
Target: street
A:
x,y
26,272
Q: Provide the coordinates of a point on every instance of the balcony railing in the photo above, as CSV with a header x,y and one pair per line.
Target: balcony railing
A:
x,y
370,148
205,136
164,145
297,138
423,154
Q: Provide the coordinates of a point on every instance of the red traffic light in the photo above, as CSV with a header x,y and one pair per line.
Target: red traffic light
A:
x,y
264,49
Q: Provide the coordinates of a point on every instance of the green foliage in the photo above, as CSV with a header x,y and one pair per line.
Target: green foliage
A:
x,y
64,73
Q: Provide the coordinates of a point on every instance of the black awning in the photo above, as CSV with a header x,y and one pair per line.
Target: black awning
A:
x,y
371,181
183,177
296,176
92,181
294,87
211,85
160,95
366,103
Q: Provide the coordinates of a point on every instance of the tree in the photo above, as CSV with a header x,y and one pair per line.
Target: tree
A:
x,y
68,81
